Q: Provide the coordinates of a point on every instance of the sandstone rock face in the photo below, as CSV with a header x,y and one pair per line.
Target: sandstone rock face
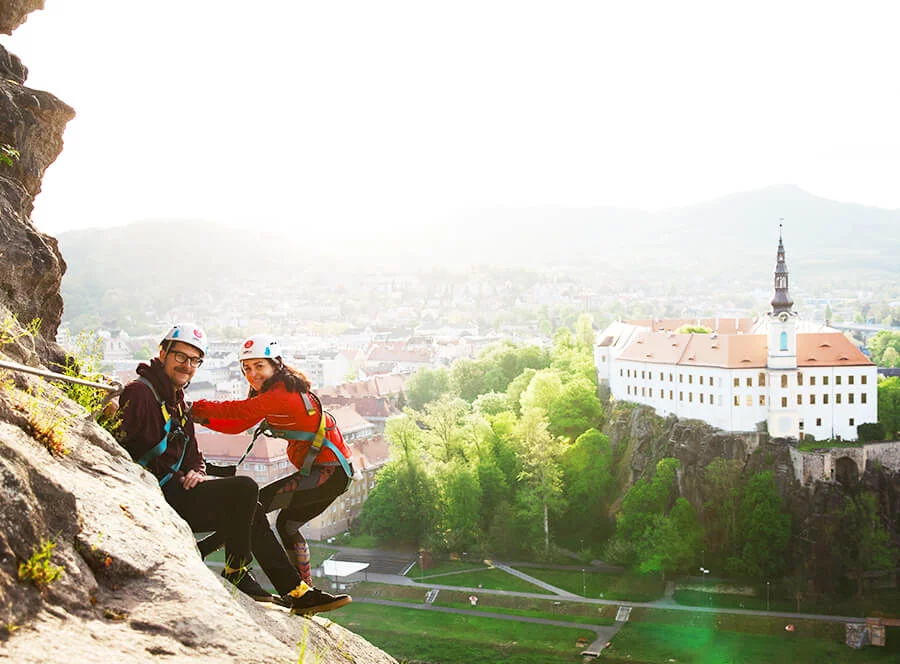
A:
x,y
133,586
31,269
14,12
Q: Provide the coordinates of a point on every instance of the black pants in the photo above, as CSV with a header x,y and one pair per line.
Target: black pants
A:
x,y
229,507
297,507
225,505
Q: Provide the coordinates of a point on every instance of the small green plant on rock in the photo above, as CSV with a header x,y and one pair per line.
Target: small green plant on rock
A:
x,y
38,569
8,154
45,419
11,331
84,362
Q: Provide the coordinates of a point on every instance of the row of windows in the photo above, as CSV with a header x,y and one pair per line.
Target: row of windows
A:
x,y
760,379
748,399
851,422
812,380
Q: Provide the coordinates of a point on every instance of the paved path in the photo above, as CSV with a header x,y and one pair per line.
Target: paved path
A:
x,y
530,579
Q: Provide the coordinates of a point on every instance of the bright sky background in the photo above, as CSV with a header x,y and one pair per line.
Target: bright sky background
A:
x,y
288,111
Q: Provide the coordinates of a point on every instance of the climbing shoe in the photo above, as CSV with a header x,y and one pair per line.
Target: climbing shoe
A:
x,y
243,580
306,600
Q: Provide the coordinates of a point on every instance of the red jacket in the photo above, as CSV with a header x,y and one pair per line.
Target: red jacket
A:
x,y
283,410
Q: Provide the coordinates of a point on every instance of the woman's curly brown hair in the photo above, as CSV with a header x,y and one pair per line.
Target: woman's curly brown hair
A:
x,y
294,380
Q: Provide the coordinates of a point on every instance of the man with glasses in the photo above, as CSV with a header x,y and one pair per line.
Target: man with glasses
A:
x,y
158,433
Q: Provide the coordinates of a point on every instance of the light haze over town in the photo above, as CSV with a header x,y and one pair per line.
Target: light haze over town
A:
x,y
365,113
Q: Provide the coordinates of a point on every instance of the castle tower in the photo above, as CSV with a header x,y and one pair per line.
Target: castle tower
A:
x,y
783,420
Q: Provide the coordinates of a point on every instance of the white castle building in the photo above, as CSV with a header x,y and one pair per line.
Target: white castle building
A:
x,y
802,380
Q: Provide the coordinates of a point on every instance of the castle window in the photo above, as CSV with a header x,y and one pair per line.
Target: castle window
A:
x,y
862,379
799,399
784,402
737,400
643,392
670,379
824,380
651,393
762,399
862,397
642,374
812,399
628,389
701,380
762,379
680,395
850,397
837,380
737,382
825,398
818,421
749,381
812,381
661,375
701,397
850,379
784,380
691,379
837,397
680,378
799,378
783,342
852,421
749,400
710,399
620,372
690,397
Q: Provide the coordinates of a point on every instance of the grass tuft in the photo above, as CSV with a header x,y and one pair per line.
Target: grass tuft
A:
x,y
38,569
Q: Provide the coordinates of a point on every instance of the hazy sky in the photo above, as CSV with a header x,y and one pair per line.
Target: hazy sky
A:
x,y
287,111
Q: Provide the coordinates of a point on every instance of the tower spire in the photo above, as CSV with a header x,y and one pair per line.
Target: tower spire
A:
x,y
782,301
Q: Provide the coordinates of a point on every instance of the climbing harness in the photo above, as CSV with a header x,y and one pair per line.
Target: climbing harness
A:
x,y
112,390
161,446
317,439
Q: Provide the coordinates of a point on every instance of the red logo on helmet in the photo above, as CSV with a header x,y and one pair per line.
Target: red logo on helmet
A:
x,y
198,334
248,343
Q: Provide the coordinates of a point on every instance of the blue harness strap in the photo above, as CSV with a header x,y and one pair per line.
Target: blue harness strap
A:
x,y
316,439
161,446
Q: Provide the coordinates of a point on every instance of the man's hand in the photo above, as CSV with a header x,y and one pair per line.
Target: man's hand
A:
x,y
191,479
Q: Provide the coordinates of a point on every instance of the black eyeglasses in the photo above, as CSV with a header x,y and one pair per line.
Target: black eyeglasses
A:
x,y
181,358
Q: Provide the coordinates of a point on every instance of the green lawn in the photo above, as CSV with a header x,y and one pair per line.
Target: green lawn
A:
x,y
489,577
445,567
875,603
688,644
602,585
426,636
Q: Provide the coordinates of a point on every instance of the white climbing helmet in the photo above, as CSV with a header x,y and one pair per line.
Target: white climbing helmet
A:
x,y
261,346
189,334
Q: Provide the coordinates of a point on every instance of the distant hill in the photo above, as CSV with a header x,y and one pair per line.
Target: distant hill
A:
x,y
728,243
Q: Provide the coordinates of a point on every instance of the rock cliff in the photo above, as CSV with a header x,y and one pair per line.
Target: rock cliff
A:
x,y
641,438
132,586
31,269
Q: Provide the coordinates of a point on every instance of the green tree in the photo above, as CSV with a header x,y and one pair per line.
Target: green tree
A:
x,y
642,508
425,386
589,486
889,406
467,379
460,506
575,410
890,357
674,541
584,332
491,403
765,530
540,474
402,505
724,484
865,544
880,342
443,433
542,391
517,387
